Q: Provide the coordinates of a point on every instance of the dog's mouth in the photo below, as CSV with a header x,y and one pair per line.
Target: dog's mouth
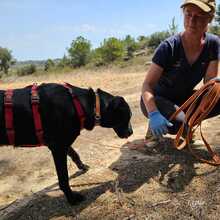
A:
x,y
128,135
124,131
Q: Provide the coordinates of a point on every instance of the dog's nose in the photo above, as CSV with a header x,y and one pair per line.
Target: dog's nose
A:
x,y
130,132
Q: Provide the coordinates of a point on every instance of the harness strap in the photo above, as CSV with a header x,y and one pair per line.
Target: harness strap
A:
x,y
208,95
77,105
35,100
9,122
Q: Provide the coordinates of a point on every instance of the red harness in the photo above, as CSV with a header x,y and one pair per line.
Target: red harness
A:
x,y
77,105
35,100
9,122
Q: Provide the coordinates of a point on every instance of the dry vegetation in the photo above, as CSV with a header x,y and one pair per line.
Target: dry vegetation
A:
x,y
122,183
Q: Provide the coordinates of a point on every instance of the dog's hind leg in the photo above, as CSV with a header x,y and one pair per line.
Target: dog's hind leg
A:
x,y
60,159
76,159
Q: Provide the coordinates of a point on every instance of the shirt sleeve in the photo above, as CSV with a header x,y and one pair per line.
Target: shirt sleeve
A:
x,y
162,54
215,49
218,48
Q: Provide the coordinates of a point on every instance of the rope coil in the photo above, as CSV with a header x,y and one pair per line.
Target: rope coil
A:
x,y
197,107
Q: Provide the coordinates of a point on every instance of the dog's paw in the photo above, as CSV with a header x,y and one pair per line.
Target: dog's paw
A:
x,y
84,167
75,198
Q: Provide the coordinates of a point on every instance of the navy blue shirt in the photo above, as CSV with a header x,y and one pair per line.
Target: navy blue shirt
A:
x,y
179,77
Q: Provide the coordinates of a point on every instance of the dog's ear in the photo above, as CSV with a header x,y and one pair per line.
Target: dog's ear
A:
x,y
117,102
120,108
91,93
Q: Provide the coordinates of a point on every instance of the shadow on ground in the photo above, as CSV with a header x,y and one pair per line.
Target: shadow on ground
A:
x,y
51,203
134,168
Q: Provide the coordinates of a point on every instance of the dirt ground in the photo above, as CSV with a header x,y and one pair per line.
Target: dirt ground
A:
x,y
122,183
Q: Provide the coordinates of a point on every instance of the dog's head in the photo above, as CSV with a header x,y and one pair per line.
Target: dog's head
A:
x,y
115,113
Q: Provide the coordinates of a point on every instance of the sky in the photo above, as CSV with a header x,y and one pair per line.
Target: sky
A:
x,y
43,29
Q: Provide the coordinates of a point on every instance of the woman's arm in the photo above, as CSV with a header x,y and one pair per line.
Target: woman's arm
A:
x,y
157,122
212,71
152,77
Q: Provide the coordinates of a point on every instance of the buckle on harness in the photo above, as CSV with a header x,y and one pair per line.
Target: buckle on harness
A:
x,y
8,103
8,98
10,130
35,99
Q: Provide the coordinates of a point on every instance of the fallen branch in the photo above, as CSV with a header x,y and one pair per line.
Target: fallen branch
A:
x,y
159,203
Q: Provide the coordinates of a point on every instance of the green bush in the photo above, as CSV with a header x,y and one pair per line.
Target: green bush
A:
x,y
142,42
64,62
214,29
112,49
217,15
96,58
26,70
156,38
130,46
49,65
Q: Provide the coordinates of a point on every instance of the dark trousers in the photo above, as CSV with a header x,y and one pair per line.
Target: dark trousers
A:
x,y
167,108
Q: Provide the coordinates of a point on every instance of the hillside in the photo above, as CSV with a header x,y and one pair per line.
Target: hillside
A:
x,y
125,180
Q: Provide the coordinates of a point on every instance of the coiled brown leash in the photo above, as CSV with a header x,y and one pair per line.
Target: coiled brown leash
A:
x,y
198,106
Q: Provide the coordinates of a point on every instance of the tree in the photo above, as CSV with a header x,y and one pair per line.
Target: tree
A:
x,y
130,46
65,61
142,42
112,49
217,15
173,27
6,59
97,58
79,51
49,65
215,26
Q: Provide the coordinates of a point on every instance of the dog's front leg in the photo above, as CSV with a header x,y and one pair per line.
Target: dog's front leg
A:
x,y
76,159
60,160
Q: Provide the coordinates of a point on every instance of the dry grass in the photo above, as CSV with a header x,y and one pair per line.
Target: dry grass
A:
x,y
85,78
121,183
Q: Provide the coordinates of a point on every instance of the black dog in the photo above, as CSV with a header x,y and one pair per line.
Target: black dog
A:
x,y
61,124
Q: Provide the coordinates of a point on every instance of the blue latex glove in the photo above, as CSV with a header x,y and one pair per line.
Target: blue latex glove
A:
x,y
158,124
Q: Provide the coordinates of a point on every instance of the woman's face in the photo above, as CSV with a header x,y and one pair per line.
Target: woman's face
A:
x,y
195,20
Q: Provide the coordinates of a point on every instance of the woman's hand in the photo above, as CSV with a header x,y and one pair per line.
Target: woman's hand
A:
x,y
158,124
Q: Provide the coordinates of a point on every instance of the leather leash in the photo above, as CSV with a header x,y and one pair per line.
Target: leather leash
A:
x,y
97,109
197,107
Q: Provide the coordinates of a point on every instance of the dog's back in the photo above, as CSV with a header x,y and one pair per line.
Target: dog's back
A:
x,y
60,121
56,112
